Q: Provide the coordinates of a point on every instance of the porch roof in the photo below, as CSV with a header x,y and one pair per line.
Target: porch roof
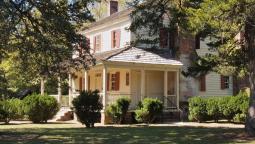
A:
x,y
138,55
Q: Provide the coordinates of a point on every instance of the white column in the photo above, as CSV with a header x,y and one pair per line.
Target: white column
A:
x,y
42,85
178,88
104,94
70,92
165,88
86,80
59,89
142,84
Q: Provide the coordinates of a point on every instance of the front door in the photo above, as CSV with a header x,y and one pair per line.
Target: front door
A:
x,y
135,88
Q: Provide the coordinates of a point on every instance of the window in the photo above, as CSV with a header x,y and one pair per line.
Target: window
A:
x,y
202,80
163,37
115,39
113,81
97,43
224,82
127,79
113,7
197,41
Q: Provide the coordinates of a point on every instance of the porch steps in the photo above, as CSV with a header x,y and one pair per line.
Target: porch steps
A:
x,y
64,114
170,116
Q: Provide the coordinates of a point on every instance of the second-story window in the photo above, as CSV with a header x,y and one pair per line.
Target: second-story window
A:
x,y
115,38
166,38
224,80
97,43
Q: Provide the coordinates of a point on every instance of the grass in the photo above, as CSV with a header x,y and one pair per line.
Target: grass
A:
x,y
75,133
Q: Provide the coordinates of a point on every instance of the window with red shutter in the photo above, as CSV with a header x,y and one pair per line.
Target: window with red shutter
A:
x,y
202,80
163,37
117,87
113,7
115,35
224,82
108,81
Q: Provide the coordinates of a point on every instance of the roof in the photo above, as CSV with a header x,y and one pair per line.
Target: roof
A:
x,y
110,18
138,55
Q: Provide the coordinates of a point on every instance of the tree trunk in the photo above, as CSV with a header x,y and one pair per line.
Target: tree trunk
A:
x,y
250,49
42,85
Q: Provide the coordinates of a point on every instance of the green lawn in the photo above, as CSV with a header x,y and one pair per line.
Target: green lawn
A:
x,y
74,133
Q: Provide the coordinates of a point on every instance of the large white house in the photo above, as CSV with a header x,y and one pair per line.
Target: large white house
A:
x,y
139,72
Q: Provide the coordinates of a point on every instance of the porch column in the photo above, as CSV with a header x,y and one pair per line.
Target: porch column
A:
x,y
70,89
59,89
142,84
177,88
86,80
104,94
165,88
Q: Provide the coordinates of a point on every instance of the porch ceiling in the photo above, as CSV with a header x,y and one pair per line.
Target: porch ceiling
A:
x,y
138,55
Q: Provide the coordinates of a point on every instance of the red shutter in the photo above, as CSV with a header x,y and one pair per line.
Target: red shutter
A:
x,y
172,40
80,84
202,83
112,37
197,41
88,82
117,87
222,82
108,81
163,37
118,38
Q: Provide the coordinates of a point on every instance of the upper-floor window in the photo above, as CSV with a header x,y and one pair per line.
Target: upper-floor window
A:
x,y
97,43
197,41
113,7
224,80
115,38
166,38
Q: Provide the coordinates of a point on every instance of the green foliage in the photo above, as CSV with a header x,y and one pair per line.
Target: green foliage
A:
x,y
150,110
197,109
10,109
214,108
87,107
118,110
40,108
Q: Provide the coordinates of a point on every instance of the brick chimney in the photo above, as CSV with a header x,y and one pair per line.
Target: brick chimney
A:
x,y
113,7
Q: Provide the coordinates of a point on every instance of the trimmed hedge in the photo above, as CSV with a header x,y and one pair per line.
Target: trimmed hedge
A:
x,y
232,108
118,110
10,109
149,110
40,108
87,107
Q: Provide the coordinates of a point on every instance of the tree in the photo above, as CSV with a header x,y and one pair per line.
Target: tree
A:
x,y
44,36
217,19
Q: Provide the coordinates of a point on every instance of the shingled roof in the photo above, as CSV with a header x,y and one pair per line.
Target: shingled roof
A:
x,y
138,55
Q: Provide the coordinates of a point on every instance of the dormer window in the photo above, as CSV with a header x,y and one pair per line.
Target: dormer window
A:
x,y
113,7
115,38
97,43
166,38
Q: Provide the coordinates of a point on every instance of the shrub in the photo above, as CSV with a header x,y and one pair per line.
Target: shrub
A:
x,y
149,110
239,118
10,109
87,107
40,108
197,109
117,111
212,108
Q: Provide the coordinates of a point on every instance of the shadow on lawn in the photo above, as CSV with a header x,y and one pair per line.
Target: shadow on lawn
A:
x,y
103,135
